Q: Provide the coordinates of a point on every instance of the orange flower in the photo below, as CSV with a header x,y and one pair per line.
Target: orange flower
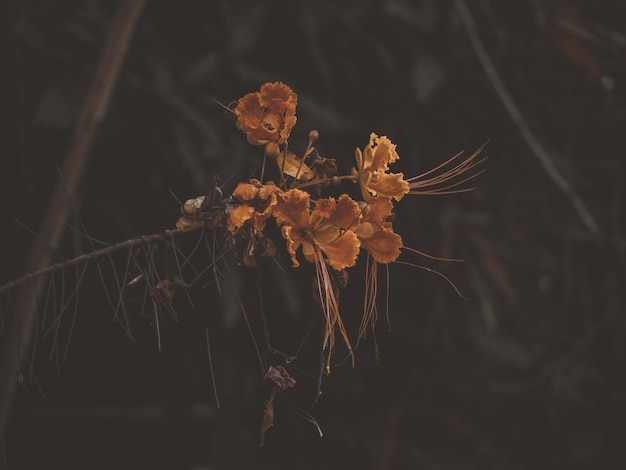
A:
x,y
268,115
257,201
327,230
329,227
372,167
376,233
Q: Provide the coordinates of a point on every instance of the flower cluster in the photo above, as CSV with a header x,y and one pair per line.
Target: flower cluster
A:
x,y
330,233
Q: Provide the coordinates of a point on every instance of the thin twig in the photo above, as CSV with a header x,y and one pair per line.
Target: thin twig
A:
x,y
99,253
56,214
538,150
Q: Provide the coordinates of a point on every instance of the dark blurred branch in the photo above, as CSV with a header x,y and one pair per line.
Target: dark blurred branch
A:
x,y
98,96
540,152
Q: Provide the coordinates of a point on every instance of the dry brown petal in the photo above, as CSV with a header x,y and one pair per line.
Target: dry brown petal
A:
x,y
282,381
164,291
280,377
268,420
192,206
324,167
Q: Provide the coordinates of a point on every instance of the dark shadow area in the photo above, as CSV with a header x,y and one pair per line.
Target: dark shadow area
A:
x,y
526,374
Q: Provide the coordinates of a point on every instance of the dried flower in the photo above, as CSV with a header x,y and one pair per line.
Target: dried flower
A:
x,y
282,381
257,201
372,167
268,115
329,227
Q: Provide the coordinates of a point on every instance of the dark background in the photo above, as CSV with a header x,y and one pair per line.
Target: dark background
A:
x,y
528,373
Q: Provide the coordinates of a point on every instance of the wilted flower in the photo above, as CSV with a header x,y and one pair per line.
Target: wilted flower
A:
x,y
257,201
371,170
268,115
329,227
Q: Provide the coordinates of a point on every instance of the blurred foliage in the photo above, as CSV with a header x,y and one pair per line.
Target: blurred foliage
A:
x,y
527,374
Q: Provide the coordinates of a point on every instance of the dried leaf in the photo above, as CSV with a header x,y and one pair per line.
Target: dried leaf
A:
x,y
268,420
280,377
295,167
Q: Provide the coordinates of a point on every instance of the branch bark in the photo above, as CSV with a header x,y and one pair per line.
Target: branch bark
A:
x,y
20,335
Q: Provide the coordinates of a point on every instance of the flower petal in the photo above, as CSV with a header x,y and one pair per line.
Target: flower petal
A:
x,y
293,243
238,217
384,245
389,185
292,208
280,101
254,190
324,208
278,97
379,153
308,250
379,211
326,233
249,114
347,214
343,251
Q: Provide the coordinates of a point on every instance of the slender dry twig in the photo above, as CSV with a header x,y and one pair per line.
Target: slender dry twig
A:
x,y
51,228
99,253
516,115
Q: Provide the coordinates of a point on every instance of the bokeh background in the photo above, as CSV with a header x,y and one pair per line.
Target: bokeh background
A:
x,y
527,373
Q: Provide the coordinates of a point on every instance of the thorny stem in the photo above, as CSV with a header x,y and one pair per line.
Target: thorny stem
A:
x,y
93,111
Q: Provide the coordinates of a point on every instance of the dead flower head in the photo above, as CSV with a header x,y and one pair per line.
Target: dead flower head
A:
x,y
257,201
267,115
372,167
376,233
329,228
